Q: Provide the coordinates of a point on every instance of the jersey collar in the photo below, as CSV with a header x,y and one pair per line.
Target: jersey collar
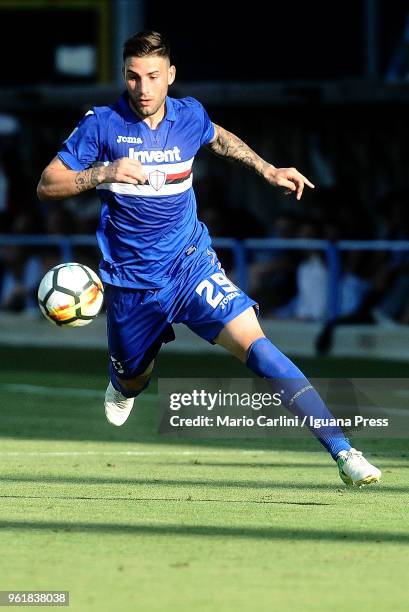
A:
x,y
170,110
131,117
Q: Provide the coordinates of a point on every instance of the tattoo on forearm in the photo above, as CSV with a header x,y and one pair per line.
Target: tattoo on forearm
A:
x,y
228,145
87,179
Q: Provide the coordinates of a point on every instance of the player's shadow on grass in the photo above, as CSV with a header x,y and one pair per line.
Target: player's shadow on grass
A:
x,y
258,533
214,484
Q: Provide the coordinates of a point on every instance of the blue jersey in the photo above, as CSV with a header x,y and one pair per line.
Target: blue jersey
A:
x,y
147,233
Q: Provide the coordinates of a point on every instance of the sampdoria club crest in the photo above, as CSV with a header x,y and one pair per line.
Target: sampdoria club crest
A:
x,y
157,179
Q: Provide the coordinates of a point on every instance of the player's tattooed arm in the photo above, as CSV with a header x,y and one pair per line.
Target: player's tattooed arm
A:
x,y
58,181
228,145
87,179
233,148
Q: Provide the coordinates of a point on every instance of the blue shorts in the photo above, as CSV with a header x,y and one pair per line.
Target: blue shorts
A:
x,y
140,321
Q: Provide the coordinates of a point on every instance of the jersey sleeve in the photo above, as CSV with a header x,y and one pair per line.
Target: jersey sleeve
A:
x,y
82,146
208,129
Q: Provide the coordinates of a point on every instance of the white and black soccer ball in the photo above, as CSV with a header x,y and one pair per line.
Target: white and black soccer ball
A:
x,y
70,294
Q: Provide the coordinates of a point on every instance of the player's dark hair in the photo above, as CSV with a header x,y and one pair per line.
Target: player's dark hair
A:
x,y
146,43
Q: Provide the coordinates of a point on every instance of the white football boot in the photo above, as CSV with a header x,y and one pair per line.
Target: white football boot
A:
x,y
117,406
354,469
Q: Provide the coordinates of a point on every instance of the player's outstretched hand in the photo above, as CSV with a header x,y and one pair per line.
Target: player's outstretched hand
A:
x,y
289,179
124,170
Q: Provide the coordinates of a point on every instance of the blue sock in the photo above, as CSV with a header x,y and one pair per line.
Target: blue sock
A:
x,y
117,385
300,398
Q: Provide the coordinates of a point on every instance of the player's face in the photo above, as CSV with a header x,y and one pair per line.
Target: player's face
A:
x,y
147,80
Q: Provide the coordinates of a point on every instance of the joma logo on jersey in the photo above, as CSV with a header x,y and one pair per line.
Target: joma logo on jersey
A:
x,y
129,139
146,157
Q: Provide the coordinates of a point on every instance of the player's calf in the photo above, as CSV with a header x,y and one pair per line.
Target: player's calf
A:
x,y
267,361
298,395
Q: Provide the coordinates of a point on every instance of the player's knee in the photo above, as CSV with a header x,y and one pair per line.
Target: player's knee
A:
x,y
138,382
240,333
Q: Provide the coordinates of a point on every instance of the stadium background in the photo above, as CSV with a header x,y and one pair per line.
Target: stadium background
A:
x,y
322,87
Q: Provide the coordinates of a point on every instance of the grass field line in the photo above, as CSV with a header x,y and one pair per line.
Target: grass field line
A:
x,y
141,453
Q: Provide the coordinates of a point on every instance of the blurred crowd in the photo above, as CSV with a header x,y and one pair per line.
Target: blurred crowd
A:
x,y
287,283
374,285
22,266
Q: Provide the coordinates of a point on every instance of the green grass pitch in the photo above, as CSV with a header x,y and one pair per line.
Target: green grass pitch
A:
x,y
127,520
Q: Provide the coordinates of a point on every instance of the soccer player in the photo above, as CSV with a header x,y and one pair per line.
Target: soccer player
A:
x,y
157,264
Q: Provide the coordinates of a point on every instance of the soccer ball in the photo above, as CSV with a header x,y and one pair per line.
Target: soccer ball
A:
x,y
70,294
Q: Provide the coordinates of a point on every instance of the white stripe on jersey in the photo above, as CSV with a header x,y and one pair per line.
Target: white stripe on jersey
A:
x,y
148,190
